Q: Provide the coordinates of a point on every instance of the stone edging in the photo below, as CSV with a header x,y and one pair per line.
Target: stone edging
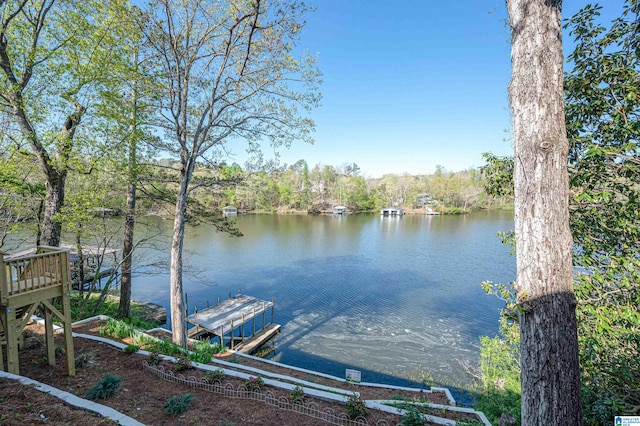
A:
x,y
310,409
382,405
327,393
75,401
446,391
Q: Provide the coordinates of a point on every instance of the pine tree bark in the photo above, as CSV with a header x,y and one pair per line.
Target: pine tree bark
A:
x,y
548,331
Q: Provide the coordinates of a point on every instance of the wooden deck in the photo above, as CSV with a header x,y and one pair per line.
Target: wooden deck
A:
x,y
230,319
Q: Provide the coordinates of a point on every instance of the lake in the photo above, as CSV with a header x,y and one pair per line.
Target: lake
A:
x,y
398,298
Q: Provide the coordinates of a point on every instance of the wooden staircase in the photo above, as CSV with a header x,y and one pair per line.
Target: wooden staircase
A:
x,y
29,283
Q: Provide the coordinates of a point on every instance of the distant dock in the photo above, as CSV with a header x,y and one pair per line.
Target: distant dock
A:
x,y
243,323
392,211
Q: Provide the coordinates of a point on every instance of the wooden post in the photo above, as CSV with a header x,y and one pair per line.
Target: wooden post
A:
x,y
221,336
48,336
186,303
2,322
242,331
263,309
238,290
12,342
207,304
254,321
68,335
218,300
232,336
273,309
66,312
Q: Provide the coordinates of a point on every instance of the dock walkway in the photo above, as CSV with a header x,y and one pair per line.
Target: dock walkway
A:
x,y
230,320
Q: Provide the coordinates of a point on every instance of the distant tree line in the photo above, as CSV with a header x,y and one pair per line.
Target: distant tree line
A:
x,y
303,189
295,188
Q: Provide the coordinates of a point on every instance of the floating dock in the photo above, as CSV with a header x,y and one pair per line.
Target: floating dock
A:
x,y
239,323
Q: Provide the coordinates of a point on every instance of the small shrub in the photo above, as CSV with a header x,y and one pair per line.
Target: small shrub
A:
x,y
154,358
413,417
218,348
296,395
32,342
178,404
399,397
85,359
59,350
355,407
43,360
183,363
109,385
216,375
254,383
131,348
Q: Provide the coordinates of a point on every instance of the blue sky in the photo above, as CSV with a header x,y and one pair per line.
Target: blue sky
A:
x,y
412,84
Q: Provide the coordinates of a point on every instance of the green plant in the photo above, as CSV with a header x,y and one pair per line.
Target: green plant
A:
x,y
131,348
32,342
225,423
218,348
216,375
59,350
94,305
177,404
183,362
355,407
107,386
85,359
399,398
296,395
117,328
413,417
500,364
254,383
154,358
43,360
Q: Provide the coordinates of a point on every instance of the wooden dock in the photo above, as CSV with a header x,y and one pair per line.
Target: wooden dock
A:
x,y
254,342
239,322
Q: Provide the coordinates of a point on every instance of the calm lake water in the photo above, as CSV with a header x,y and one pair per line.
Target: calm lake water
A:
x,y
397,298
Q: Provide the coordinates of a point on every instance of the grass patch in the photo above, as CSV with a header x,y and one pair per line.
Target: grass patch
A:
x,y
139,317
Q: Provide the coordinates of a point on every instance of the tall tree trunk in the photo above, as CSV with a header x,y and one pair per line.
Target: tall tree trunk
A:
x,y
178,325
127,253
548,332
124,309
53,201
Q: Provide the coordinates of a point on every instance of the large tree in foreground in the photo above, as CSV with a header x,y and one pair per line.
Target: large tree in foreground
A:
x,y
54,57
229,72
550,372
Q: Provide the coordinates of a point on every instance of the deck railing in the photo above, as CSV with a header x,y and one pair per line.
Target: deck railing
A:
x,y
48,267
